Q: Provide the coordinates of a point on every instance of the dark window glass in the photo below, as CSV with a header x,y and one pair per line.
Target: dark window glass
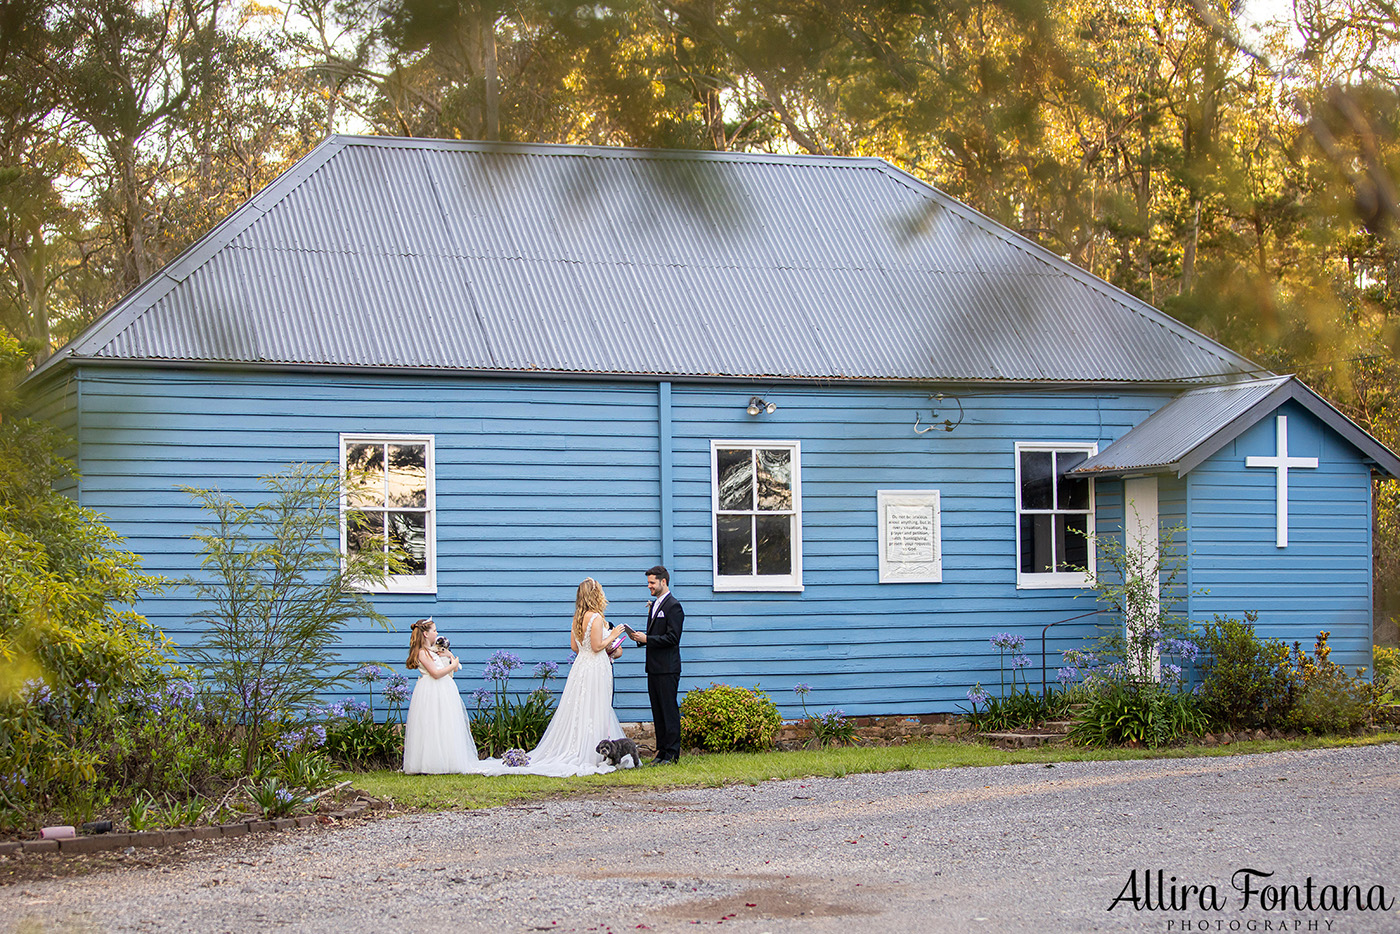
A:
x,y
734,545
734,468
1073,491
1075,537
408,531
774,544
1036,474
1037,543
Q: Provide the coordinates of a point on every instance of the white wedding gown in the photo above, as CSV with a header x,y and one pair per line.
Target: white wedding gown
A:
x,y
437,739
585,716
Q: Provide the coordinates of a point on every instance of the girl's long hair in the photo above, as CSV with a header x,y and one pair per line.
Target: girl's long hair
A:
x,y
590,599
417,640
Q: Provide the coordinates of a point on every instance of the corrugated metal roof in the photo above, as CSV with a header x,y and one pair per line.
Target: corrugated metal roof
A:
x,y
475,256
1199,422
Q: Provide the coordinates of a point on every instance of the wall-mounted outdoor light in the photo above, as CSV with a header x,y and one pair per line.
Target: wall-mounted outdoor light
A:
x,y
757,406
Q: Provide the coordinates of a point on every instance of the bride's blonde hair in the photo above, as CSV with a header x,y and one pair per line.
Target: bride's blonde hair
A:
x,y
589,599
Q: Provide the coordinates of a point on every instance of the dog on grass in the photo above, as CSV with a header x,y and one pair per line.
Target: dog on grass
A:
x,y
614,751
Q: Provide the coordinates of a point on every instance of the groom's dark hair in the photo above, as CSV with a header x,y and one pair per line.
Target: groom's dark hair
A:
x,y
660,574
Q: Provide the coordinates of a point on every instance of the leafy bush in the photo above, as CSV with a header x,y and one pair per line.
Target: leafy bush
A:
x,y
514,724
1246,681
355,740
831,728
1148,714
722,718
1021,709
1327,698
278,593
504,721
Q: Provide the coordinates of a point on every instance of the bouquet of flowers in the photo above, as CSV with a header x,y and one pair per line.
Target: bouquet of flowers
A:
x,y
515,758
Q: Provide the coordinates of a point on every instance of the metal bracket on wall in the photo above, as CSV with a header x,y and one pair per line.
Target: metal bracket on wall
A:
x,y
948,424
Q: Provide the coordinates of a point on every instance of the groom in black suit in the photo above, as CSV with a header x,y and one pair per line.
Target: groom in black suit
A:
x,y
662,640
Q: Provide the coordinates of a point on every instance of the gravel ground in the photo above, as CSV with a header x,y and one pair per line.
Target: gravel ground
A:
x,y
1014,848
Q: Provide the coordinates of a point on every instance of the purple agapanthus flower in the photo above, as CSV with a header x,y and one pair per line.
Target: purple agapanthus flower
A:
x,y
396,691
802,689
1008,640
1021,661
368,674
546,670
976,695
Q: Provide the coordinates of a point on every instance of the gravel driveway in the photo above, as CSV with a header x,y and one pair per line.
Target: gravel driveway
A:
x,y
1011,848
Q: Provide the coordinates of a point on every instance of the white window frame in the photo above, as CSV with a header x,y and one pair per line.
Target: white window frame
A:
x,y
425,583
781,583
1054,579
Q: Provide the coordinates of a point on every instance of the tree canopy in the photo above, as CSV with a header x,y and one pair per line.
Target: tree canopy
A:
x,y
1243,178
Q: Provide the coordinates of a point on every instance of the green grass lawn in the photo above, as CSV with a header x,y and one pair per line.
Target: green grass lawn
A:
x,y
464,792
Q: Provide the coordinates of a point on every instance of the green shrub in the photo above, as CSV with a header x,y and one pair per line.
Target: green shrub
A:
x,y
723,718
354,740
1247,682
1142,714
1385,663
1327,699
513,724
276,595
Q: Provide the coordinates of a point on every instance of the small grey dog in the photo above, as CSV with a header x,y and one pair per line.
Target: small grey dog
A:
x,y
614,751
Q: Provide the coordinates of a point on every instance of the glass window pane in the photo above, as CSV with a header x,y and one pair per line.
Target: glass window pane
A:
x,y
1037,544
408,531
1036,474
364,463
774,544
408,475
734,545
774,480
734,467
364,532
1073,544
1073,491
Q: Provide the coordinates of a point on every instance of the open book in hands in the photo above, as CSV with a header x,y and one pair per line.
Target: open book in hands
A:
x,y
616,644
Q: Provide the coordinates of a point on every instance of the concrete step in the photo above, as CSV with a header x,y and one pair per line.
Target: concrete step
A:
x,y
1057,726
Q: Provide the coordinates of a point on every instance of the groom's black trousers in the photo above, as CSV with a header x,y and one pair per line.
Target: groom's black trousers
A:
x,y
666,713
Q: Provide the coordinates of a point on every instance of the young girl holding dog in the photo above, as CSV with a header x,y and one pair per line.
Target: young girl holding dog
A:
x,y
436,736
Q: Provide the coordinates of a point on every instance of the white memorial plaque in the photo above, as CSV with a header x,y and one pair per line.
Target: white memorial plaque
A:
x,y
911,536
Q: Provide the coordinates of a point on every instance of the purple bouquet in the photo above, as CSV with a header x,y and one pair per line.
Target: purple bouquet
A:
x,y
515,758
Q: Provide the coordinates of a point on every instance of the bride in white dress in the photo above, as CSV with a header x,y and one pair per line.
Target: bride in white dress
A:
x,y
585,714
436,736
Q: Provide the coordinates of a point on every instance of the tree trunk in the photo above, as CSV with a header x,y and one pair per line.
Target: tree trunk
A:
x,y
490,75
1188,253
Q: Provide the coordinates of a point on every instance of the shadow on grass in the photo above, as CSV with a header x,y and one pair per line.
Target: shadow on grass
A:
x,y
466,792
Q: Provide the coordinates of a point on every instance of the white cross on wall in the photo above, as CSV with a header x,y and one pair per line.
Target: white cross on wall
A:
x,y
1281,463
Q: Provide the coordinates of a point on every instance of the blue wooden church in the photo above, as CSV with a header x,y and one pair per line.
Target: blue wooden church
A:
x,y
863,425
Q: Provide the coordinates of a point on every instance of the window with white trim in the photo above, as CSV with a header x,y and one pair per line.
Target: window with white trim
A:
x,y
756,497
387,500
1054,516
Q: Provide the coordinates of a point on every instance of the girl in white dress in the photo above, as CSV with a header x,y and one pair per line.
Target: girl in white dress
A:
x,y
436,736
585,714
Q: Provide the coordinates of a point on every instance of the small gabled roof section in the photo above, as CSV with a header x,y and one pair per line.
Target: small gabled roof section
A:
x,y
448,255
1196,424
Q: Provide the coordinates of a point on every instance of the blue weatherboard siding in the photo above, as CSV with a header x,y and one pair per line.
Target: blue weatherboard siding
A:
x,y
540,483
1322,580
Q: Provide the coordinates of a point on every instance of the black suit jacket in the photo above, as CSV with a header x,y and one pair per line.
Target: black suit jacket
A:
x,y
664,636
